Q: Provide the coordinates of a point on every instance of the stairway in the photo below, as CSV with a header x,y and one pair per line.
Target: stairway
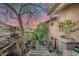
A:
x,y
38,52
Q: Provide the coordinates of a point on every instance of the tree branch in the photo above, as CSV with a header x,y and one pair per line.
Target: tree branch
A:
x,y
11,7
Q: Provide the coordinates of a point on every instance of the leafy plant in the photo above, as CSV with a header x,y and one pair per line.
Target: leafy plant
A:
x,y
41,33
67,27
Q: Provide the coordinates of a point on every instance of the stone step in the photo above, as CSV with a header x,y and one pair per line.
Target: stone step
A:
x,y
40,49
38,55
38,52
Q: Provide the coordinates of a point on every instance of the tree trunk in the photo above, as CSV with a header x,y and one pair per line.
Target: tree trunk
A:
x,y
22,44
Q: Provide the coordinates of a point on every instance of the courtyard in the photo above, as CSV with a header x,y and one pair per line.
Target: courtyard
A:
x,y
39,29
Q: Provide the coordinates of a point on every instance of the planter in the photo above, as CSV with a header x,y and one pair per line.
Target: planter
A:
x,y
76,49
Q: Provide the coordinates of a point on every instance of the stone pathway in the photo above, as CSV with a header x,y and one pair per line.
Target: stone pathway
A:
x,y
40,52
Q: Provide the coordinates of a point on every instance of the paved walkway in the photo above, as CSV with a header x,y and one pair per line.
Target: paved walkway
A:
x,y
40,52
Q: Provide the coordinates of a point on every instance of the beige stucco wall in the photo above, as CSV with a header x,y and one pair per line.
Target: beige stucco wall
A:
x,y
69,13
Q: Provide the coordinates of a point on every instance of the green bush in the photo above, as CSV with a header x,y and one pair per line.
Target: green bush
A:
x,y
40,33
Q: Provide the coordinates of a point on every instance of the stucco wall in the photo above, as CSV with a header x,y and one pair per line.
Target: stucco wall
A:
x,y
69,13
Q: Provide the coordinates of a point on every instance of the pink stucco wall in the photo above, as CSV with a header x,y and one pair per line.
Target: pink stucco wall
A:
x,y
69,13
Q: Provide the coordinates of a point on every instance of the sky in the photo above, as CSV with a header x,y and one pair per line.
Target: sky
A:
x,y
13,22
